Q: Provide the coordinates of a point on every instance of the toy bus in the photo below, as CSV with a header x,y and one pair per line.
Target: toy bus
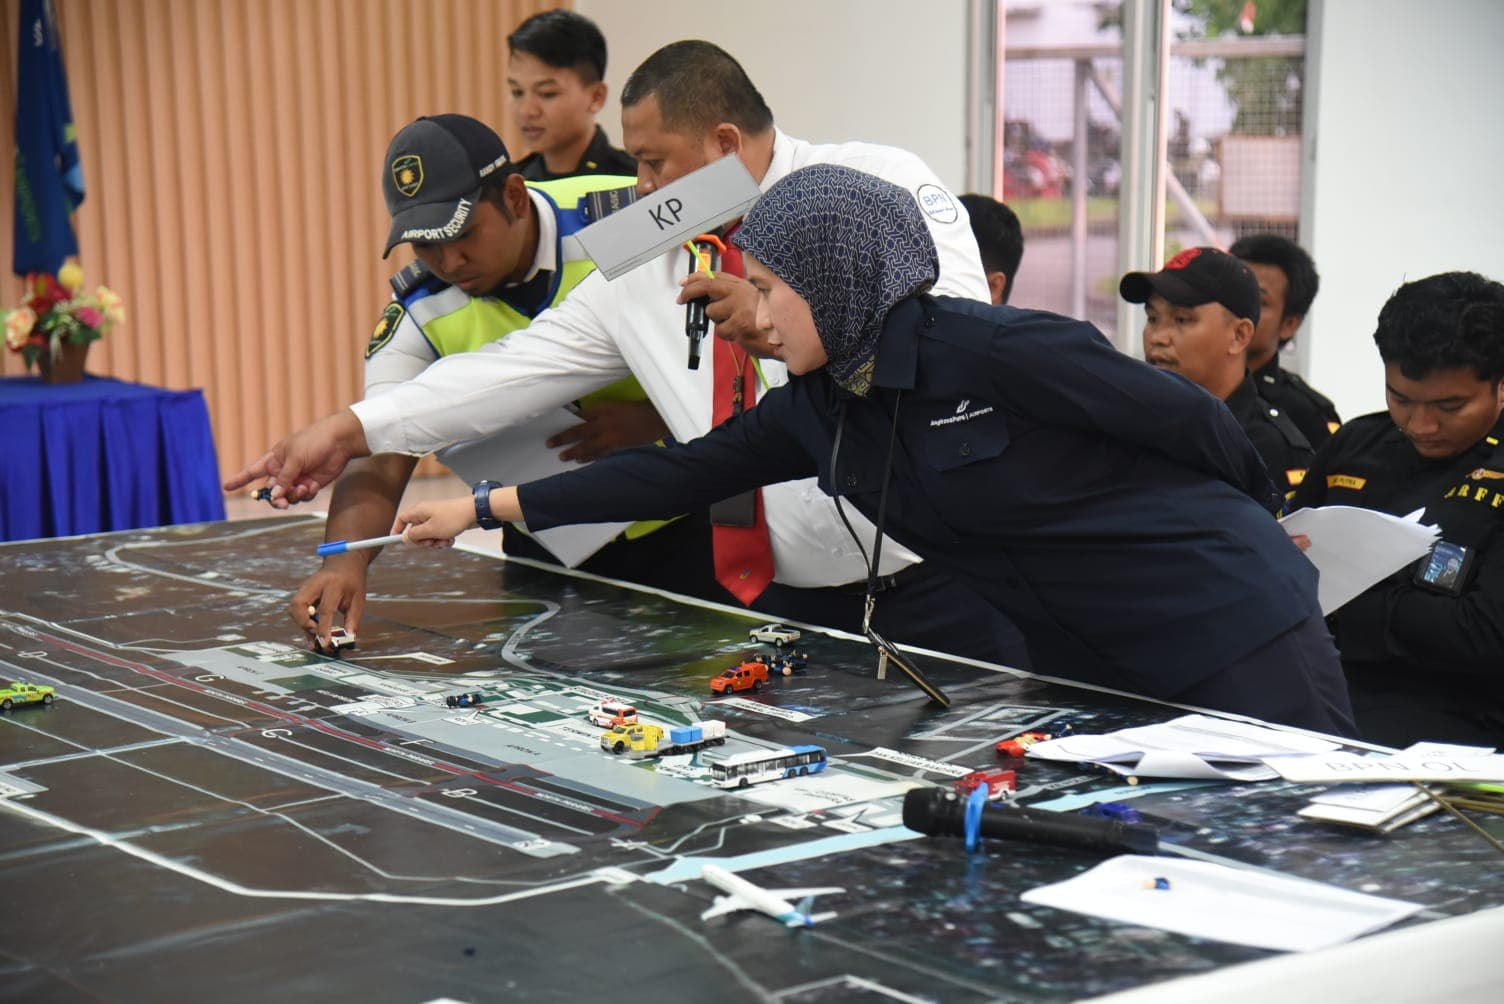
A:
x,y
742,769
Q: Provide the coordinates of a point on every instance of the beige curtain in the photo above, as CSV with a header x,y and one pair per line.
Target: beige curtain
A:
x,y
232,156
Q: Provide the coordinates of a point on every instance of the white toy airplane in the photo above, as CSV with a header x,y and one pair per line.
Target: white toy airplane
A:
x,y
775,903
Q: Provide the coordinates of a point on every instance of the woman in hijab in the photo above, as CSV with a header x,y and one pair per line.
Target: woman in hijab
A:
x,y
1116,513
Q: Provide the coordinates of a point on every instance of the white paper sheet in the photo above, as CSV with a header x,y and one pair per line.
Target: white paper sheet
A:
x,y
517,455
1353,548
1369,797
1380,822
1168,763
1191,746
1207,900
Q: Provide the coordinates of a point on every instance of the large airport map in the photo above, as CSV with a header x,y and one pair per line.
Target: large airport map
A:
x,y
210,809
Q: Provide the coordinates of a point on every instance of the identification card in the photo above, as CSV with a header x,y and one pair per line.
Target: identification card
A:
x,y
1445,569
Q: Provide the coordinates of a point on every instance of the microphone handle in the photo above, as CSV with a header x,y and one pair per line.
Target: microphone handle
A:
x,y
695,326
1070,830
695,323
942,813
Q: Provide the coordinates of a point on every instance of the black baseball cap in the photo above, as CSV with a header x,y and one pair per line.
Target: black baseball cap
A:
x,y
434,170
1196,276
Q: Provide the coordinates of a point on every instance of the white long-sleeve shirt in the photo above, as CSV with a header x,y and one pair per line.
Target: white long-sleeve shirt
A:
x,y
607,330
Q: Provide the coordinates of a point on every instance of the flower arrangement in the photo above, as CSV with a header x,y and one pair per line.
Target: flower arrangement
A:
x,y
57,312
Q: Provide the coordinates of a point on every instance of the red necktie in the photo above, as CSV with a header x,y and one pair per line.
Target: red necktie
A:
x,y
743,555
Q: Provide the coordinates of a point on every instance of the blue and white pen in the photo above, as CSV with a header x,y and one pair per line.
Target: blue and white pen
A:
x,y
369,544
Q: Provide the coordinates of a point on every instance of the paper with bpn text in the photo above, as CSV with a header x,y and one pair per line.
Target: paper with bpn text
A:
x,y
1206,900
1353,548
1338,768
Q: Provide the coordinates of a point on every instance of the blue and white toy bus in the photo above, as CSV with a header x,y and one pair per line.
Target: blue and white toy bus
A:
x,y
742,769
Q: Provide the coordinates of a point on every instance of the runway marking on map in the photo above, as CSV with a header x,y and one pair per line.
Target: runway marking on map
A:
x,y
236,889
526,815
84,753
850,981
364,766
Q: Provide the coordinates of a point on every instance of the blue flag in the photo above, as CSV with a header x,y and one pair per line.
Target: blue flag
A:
x,y
49,179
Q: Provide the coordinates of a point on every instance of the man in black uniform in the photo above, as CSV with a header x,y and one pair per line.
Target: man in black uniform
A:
x,y
556,80
1287,285
1424,649
1200,313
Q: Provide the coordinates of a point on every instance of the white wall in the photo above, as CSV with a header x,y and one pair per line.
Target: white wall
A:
x,y
883,71
1408,172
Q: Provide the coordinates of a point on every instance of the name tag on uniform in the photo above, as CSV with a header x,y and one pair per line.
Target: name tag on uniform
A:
x,y
698,202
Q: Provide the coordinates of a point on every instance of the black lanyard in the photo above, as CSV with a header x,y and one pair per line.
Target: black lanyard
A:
x,y
886,651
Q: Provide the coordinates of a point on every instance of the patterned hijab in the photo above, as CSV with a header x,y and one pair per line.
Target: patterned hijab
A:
x,y
853,246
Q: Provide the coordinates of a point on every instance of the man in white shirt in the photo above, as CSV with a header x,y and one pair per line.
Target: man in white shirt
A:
x,y
687,105
473,282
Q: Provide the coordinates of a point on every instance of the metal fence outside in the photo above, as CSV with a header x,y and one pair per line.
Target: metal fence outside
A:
x,y
1233,157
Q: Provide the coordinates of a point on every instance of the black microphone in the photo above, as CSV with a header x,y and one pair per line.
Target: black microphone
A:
x,y
936,812
695,323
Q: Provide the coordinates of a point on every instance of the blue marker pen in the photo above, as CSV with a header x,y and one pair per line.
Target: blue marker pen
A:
x,y
369,544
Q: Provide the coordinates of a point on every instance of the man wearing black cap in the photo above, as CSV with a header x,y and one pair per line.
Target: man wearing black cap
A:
x,y
491,256
1200,313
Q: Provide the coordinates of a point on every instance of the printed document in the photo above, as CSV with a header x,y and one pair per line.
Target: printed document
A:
x,y
1353,548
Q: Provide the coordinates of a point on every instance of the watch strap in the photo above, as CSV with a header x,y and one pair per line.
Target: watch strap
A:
x,y
482,492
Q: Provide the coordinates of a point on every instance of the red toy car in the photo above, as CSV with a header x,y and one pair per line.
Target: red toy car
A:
x,y
998,782
747,676
1018,745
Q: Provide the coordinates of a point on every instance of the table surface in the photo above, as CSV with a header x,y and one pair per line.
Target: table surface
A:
x,y
210,807
31,390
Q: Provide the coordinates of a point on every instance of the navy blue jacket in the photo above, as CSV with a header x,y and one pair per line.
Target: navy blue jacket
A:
x,y
1118,514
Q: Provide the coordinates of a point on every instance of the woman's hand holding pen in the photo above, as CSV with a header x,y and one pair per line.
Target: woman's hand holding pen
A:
x,y
436,524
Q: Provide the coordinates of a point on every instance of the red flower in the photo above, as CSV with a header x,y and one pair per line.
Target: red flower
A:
x,y
46,291
90,317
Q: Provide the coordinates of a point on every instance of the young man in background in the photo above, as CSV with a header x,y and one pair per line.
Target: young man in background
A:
x,y
1287,284
556,78
1000,239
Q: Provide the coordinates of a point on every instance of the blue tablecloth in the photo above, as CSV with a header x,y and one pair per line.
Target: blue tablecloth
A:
x,y
103,455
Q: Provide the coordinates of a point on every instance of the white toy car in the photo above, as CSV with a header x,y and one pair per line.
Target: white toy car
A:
x,y
609,713
777,635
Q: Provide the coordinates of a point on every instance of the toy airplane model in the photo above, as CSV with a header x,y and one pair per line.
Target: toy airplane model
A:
x,y
775,903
